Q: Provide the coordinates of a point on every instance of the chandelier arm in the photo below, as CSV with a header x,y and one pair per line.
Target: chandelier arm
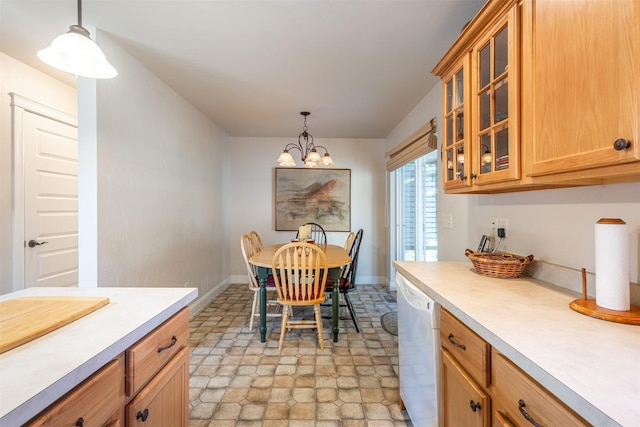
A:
x,y
323,147
294,145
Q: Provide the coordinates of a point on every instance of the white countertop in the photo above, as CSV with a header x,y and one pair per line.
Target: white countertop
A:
x,y
39,372
590,364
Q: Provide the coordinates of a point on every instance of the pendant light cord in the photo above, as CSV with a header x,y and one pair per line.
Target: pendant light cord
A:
x,y
80,13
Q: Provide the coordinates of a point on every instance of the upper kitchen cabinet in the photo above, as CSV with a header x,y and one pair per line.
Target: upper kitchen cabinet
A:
x,y
542,94
581,100
481,102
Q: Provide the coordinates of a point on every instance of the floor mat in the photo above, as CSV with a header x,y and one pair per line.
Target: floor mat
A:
x,y
389,322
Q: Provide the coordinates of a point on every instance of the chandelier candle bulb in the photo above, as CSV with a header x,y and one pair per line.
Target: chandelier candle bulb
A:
x,y
612,264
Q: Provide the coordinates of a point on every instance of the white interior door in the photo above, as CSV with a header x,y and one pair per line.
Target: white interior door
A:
x,y
50,202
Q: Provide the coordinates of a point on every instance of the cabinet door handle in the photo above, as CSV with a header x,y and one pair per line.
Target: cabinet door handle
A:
x,y
475,406
80,422
452,341
143,415
174,340
621,144
525,414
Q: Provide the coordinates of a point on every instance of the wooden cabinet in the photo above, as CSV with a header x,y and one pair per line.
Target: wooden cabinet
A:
x,y
552,91
495,84
481,102
520,401
149,382
164,401
464,402
464,375
583,94
79,408
479,386
151,353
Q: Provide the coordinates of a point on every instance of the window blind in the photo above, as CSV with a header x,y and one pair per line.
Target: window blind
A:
x,y
420,142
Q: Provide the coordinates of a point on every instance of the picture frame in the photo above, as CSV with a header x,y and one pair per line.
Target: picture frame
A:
x,y
305,195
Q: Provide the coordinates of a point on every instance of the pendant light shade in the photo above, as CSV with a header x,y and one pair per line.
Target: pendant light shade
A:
x,y
75,53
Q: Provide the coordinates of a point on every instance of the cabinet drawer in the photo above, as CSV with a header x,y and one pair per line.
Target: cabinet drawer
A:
x,y
145,358
466,346
164,401
79,407
518,397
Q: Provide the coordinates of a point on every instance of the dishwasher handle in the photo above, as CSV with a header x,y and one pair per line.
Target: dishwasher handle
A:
x,y
414,296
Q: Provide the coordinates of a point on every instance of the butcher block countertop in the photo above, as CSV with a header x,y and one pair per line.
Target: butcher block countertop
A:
x,y
592,365
37,373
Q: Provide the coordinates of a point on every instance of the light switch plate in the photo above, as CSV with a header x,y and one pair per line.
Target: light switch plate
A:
x,y
446,220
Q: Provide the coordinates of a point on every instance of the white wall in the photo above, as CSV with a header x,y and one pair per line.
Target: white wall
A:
x,y
253,162
26,81
162,184
556,226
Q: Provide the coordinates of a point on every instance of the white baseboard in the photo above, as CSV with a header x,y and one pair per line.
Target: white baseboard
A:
x,y
201,302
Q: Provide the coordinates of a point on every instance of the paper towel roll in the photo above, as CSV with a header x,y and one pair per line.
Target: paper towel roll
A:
x,y
612,264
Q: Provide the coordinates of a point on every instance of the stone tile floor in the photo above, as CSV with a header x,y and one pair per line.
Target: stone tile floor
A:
x,y
238,381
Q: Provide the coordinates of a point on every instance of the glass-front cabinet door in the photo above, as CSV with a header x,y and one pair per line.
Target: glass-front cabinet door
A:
x,y
457,121
495,87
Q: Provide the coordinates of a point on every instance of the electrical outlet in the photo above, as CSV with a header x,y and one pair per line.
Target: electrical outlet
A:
x,y
499,222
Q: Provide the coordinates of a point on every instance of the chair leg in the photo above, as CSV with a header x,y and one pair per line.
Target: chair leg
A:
x,y
351,311
316,309
283,328
253,310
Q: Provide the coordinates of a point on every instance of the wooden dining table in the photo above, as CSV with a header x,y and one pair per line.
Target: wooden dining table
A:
x,y
337,256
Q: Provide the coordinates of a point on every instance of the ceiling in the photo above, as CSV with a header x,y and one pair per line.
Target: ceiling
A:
x,y
359,66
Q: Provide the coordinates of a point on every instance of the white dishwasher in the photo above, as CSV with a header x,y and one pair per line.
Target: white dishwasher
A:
x,y
418,343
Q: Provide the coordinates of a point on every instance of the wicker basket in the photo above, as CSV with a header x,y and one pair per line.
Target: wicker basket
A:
x,y
498,265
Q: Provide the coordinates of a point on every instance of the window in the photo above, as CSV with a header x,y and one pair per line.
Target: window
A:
x,y
416,210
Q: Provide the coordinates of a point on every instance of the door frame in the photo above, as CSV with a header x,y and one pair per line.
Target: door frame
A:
x,y
20,105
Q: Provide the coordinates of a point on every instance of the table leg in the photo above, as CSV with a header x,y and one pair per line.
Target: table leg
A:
x,y
262,277
335,302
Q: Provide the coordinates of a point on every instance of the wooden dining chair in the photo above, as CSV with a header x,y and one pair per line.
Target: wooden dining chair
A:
x,y
300,275
348,279
317,233
248,250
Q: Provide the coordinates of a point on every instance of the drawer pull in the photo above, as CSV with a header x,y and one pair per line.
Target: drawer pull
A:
x,y
452,341
525,414
143,415
80,422
174,340
621,144
474,406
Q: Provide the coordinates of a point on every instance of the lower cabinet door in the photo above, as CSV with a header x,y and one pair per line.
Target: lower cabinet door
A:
x,y
464,402
164,401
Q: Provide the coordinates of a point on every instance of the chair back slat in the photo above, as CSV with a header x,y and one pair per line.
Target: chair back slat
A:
x,y
317,233
300,273
256,241
349,272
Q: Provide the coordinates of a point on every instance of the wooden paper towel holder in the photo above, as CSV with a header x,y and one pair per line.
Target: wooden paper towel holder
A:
x,y
590,308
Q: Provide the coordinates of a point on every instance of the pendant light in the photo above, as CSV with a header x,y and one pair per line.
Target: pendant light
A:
x,y
308,150
74,52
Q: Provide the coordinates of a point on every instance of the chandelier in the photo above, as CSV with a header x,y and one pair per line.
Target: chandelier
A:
x,y
308,153
74,52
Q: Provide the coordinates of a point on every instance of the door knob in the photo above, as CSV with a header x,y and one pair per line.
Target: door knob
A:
x,y
32,243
